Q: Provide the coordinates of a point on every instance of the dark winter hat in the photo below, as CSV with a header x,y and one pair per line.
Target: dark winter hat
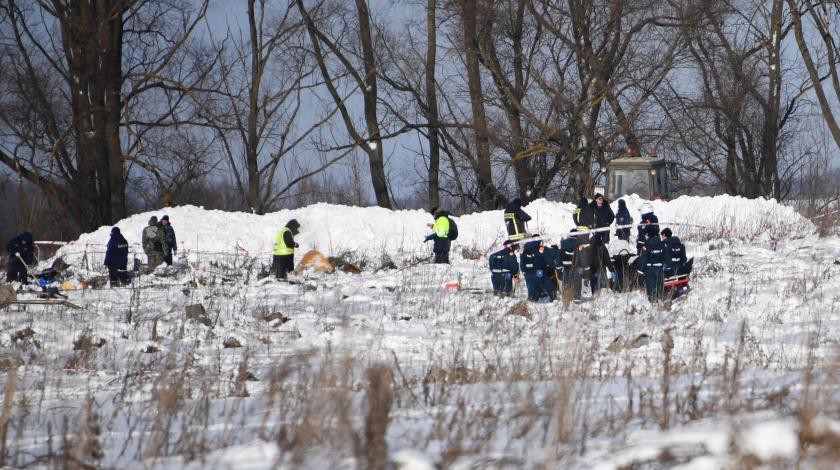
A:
x,y
622,204
651,231
115,230
516,202
666,232
166,218
26,237
433,209
598,196
153,220
507,243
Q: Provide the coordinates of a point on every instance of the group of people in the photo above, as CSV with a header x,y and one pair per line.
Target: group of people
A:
x,y
583,256
159,244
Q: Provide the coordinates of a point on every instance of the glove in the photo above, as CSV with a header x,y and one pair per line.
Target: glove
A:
x,y
540,273
613,277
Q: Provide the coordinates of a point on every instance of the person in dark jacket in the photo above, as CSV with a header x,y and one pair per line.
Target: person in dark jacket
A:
x,y
283,261
604,216
622,217
20,245
534,268
116,258
171,246
555,256
583,215
554,266
504,267
602,270
649,220
582,263
440,235
652,264
516,220
568,251
674,252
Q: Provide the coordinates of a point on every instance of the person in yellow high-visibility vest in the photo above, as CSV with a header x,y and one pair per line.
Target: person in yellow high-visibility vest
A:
x,y
515,220
283,261
440,235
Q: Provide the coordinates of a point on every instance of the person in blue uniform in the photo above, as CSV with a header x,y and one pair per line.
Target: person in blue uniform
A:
x,y
649,221
652,265
674,252
504,268
532,263
116,258
622,217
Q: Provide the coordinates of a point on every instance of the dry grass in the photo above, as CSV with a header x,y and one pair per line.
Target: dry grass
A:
x,y
540,388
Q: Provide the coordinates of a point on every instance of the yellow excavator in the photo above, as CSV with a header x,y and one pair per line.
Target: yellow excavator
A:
x,y
648,176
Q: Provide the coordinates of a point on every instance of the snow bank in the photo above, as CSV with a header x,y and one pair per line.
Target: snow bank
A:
x,y
371,232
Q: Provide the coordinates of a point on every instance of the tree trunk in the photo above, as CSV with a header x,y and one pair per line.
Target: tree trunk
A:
x,y
431,103
252,197
92,41
483,169
373,146
826,108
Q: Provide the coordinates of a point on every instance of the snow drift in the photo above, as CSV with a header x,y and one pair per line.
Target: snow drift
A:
x,y
371,232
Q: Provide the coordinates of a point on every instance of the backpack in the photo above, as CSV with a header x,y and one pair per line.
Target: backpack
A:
x,y
453,230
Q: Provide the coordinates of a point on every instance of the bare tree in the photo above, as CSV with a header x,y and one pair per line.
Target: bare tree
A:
x,y
432,104
257,105
821,14
68,77
736,124
364,77
602,63
471,12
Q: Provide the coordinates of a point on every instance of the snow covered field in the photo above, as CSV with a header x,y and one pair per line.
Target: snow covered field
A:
x,y
358,371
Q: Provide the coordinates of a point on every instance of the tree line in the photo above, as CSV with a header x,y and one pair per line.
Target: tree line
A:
x,y
108,105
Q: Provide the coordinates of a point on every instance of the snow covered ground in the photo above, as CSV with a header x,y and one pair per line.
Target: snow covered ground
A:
x,y
355,371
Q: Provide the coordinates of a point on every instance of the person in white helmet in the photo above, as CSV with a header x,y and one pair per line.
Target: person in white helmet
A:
x,y
648,218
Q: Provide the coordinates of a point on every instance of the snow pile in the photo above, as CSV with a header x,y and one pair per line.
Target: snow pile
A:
x,y
371,232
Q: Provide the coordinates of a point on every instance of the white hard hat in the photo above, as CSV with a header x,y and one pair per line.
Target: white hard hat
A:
x,y
645,208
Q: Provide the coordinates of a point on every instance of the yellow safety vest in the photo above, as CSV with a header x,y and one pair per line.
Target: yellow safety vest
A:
x,y
280,248
517,233
441,227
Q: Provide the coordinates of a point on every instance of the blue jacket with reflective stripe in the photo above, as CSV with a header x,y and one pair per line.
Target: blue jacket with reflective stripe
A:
x,y
504,261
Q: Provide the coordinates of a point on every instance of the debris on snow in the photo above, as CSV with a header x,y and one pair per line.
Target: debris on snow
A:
x,y
520,309
198,313
315,261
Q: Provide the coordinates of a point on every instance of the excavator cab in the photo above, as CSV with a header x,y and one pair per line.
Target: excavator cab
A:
x,y
648,177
